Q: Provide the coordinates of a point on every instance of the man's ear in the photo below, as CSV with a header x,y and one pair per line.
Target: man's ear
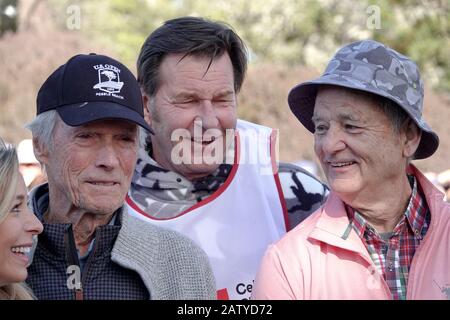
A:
x,y
146,103
412,135
41,152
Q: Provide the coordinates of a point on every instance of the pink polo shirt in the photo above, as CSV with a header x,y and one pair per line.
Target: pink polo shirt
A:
x,y
313,261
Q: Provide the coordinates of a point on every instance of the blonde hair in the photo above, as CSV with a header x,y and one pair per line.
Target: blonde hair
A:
x,y
9,174
16,291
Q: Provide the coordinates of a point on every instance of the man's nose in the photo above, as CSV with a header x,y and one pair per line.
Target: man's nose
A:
x,y
208,115
332,141
107,157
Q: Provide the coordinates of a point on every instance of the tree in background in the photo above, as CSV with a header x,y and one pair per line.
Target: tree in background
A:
x,y
284,36
292,32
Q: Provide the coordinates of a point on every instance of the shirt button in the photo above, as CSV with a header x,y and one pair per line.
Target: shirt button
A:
x,y
417,234
391,266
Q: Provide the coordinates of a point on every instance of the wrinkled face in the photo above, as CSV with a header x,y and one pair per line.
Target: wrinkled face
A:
x,y
355,142
199,101
16,233
91,165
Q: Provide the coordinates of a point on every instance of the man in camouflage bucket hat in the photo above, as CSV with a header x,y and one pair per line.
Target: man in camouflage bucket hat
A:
x,y
384,232
372,67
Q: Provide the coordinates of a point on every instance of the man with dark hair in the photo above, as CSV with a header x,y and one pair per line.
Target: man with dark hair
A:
x,y
205,173
86,136
384,231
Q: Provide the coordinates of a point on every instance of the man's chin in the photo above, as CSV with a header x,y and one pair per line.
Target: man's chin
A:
x,y
197,171
103,209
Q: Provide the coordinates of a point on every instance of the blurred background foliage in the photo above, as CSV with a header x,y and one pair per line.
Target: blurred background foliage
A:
x,y
303,32
289,41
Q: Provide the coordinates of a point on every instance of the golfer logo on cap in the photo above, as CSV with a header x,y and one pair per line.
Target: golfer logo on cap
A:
x,y
108,80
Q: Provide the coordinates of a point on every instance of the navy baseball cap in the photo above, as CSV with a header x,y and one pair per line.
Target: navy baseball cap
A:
x,y
92,87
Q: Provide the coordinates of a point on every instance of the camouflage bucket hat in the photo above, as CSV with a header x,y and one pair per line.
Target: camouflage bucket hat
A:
x,y
372,67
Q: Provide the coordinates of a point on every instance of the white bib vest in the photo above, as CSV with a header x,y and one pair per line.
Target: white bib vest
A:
x,y
235,225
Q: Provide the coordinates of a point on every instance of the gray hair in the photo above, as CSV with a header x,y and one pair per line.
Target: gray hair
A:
x,y
393,111
396,115
42,127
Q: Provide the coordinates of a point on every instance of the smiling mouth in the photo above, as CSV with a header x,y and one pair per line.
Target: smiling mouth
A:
x,y
341,164
204,142
21,250
103,184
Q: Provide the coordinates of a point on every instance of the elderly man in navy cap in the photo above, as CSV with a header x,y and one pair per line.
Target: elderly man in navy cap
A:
x,y
384,232
86,136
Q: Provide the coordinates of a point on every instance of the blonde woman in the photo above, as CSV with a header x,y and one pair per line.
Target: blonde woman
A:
x,y
18,225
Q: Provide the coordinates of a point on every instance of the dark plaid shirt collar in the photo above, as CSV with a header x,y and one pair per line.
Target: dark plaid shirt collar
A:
x,y
414,215
392,254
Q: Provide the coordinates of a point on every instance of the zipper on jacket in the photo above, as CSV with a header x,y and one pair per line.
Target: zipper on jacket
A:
x,y
72,258
79,294
87,265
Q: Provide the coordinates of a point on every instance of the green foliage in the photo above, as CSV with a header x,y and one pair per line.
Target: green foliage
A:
x,y
421,30
290,32
284,36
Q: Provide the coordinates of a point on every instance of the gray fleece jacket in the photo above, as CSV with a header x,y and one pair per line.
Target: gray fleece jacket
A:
x,y
171,266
